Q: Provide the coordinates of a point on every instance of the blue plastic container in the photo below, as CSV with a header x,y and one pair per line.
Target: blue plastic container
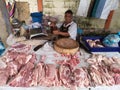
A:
x,y
79,31
100,49
36,16
2,48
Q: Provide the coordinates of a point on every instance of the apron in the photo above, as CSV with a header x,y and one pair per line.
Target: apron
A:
x,y
63,29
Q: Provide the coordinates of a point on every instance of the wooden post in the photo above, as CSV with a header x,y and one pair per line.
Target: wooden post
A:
x,y
108,21
40,5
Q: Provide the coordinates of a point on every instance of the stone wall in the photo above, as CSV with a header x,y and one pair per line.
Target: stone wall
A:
x,y
22,11
58,7
33,7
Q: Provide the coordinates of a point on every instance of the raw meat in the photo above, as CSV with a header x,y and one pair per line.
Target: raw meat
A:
x,y
72,62
65,72
100,75
24,77
23,58
2,63
48,75
98,59
4,75
13,67
117,78
81,77
116,59
20,48
73,77
94,43
115,68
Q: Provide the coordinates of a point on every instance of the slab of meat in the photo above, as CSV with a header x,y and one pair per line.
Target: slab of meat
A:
x,y
66,75
107,79
51,75
95,59
10,56
94,43
24,77
115,67
116,59
18,47
2,63
31,57
73,77
4,75
34,78
117,78
101,76
108,60
48,75
13,67
41,72
95,76
98,59
21,58
81,77
73,62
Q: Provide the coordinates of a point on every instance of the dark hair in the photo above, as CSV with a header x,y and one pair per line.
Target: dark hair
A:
x,y
69,12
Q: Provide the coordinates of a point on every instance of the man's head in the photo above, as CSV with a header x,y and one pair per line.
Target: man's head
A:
x,y
68,16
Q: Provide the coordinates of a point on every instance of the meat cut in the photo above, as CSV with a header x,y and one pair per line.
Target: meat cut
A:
x,y
4,75
24,77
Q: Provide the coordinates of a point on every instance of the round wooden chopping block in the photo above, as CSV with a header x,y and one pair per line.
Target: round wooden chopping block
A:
x,y
66,46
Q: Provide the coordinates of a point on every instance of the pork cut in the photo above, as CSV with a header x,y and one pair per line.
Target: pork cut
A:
x,y
13,67
117,78
101,76
115,67
48,75
81,77
2,63
18,47
4,75
65,72
24,77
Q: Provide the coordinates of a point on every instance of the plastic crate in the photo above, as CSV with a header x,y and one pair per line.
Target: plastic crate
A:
x,y
99,49
37,17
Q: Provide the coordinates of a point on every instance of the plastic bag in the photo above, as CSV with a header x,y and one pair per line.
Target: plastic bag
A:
x,y
10,40
2,48
111,40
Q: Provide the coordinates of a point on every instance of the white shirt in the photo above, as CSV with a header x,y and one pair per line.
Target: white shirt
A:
x,y
72,30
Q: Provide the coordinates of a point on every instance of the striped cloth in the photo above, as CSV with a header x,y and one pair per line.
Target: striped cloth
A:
x,y
99,8
109,6
83,8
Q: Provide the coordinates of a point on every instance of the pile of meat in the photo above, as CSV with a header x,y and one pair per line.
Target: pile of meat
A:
x,y
104,70
20,68
73,76
15,59
94,43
